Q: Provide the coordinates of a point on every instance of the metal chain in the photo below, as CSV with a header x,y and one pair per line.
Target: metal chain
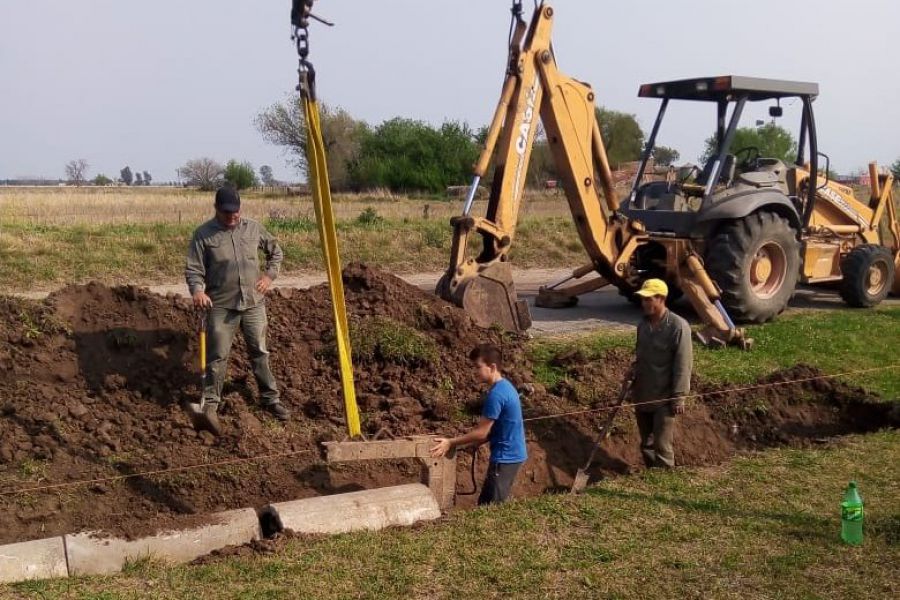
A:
x,y
300,14
517,9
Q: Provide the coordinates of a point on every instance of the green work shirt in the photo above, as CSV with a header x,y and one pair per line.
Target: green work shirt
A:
x,y
664,357
225,262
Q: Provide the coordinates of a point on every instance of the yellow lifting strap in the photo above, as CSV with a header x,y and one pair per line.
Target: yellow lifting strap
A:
x,y
321,193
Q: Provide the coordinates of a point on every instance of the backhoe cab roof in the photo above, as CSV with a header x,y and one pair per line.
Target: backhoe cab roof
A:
x,y
728,87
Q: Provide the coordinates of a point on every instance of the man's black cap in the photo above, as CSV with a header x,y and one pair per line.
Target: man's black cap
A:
x,y
228,199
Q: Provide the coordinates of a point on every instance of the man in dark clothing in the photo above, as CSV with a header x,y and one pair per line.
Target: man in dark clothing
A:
x,y
662,370
501,423
223,277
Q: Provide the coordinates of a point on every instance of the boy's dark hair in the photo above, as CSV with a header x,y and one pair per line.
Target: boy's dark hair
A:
x,y
489,355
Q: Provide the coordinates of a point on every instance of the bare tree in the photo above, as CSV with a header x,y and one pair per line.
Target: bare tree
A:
x,y
284,124
138,179
204,173
147,178
76,171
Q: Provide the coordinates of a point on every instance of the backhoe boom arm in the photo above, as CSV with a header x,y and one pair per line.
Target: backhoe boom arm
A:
x,y
534,89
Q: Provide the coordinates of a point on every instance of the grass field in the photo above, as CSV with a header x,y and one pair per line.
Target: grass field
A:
x,y
836,341
53,236
40,256
762,526
69,206
116,235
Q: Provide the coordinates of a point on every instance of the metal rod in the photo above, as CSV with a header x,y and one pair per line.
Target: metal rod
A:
x,y
648,149
470,198
801,144
605,173
723,150
724,313
813,163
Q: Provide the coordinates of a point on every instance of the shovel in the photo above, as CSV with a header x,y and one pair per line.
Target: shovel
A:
x,y
581,477
195,409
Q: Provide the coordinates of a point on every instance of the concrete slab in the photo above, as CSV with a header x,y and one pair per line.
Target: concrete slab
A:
x,y
88,555
37,559
367,509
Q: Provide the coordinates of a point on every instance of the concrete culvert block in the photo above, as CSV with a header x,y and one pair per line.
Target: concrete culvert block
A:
x,y
38,559
367,509
90,555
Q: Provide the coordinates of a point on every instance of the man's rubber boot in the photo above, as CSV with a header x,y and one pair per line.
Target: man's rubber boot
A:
x,y
279,411
208,420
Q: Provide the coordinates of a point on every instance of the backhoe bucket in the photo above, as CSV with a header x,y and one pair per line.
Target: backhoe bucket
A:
x,y
489,297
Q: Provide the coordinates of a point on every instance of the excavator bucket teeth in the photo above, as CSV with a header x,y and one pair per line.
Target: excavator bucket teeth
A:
x,y
489,297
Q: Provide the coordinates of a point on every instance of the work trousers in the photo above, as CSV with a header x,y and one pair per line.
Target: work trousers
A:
x,y
222,324
498,482
657,429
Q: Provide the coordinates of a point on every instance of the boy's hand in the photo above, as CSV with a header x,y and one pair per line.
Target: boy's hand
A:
x,y
442,446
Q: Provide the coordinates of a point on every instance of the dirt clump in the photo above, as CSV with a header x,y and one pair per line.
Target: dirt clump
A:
x,y
92,381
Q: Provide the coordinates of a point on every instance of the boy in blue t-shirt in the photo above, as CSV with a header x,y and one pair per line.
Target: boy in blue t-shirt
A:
x,y
500,423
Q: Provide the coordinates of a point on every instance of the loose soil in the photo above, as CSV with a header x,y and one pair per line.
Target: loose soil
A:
x,y
92,381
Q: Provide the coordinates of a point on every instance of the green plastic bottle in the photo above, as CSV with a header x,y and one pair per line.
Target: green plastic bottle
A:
x,y
852,516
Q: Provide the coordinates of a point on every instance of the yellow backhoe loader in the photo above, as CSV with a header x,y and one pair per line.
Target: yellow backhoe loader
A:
x,y
702,236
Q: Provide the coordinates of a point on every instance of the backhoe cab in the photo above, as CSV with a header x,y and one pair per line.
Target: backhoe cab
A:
x,y
761,224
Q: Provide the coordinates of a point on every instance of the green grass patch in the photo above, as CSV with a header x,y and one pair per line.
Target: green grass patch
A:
x,y
382,338
835,341
33,255
765,526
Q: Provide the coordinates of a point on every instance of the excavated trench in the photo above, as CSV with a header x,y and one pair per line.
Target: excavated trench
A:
x,y
92,379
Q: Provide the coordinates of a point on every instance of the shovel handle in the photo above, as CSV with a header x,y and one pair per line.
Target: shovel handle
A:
x,y
607,426
201,327
202,351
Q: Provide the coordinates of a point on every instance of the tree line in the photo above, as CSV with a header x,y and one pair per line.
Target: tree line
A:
x,y
77,174
407,155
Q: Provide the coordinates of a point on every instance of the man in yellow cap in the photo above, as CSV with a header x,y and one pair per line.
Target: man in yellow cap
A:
x,y
661,371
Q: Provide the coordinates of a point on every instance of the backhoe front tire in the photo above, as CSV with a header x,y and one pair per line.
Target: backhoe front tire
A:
x,y
756,263
867,275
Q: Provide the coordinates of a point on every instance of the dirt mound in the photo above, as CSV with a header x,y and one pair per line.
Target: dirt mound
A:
x,y
92,379
716,425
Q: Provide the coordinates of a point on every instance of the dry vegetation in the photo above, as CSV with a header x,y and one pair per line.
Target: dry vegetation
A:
x,y
50,237
120,205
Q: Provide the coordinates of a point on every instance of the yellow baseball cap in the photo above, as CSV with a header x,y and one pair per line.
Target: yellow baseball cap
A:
x,y
653,287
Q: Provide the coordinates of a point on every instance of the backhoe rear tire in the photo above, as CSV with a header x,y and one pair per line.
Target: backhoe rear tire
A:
x,y
756,263
868,275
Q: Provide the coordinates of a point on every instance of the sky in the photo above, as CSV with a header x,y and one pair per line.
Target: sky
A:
x,y
154,84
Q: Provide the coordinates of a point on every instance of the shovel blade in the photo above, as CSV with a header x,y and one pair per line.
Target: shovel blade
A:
x,y
199,419
580,482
